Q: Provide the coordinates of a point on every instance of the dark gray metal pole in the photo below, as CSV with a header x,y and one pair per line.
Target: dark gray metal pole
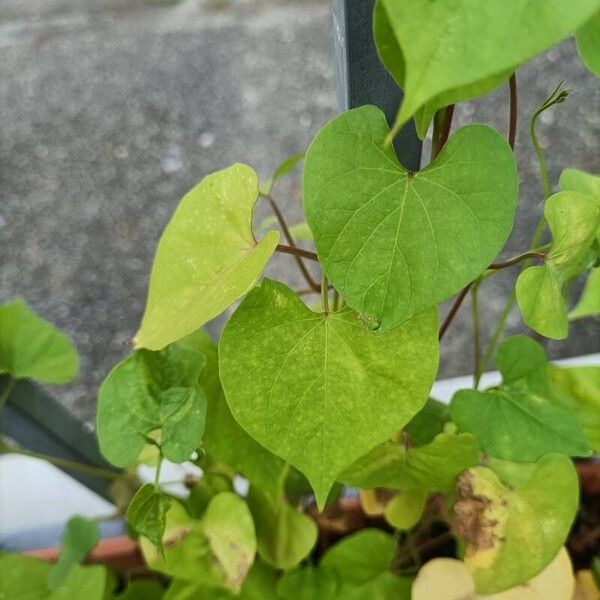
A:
x,y
362,79
39,423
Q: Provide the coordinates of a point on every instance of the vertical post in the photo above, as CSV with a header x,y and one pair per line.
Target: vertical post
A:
x,y
362,79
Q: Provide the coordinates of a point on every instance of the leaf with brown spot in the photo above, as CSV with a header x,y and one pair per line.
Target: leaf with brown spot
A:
x,y
514,518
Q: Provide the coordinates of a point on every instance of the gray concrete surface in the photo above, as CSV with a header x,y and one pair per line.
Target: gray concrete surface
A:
x,y
111,109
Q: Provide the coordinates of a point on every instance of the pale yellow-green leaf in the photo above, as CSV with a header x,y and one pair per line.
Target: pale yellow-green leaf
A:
x,y
573,219
404,510
207,257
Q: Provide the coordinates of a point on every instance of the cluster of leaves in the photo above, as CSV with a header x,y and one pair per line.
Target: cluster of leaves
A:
x,y
302,402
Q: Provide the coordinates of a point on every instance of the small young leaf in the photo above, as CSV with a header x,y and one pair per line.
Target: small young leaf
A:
x,y
522,362
433,467
395,243
589,302
573,220
285,536
206,259
228,526
32,348
579,392
82,582
588,44
80,536
404,510
281,171
320,390
515,525
23,577
150,391
147,513
450,45
360,557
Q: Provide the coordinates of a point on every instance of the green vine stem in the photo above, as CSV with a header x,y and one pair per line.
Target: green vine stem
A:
x,y
297,252
325,294
158,470
8,390
557,96
513,110
292,244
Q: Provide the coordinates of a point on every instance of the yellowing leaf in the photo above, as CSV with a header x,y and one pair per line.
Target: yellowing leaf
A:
x,y
515,525
443,579
449,579
228,526
207,257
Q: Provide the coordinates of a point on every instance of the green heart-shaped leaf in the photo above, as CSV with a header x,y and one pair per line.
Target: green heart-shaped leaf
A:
x,y
320,390
515,524
588,44
391,56
395,243
206,259
454,44
573,220
285,536
517,426
150,391
433,467
32,348
519,420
